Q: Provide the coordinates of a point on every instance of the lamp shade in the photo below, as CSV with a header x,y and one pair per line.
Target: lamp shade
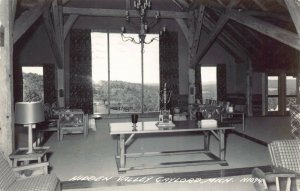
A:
x,y
29,112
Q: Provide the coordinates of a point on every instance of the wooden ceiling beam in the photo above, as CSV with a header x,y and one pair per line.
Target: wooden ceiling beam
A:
x,y
294,10
197,34
221,3
52,37
68,24
223,41
253,34
212,37
279,16
27,18
183,3
58,23
215,32
277,33
184,28
236,33
123,13
178,4
260,4
235,45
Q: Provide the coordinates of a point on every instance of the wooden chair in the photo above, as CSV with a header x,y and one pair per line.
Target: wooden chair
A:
x,y
285,156
9,181
72,121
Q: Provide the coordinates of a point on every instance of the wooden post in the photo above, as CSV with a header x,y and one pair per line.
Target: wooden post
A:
x,y
59,34
264,94
249,88
191,72
6,78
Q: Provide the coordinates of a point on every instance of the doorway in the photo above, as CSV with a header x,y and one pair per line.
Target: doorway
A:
x,y
281,93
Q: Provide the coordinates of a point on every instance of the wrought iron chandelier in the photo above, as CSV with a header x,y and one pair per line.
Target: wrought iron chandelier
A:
x,y
142,6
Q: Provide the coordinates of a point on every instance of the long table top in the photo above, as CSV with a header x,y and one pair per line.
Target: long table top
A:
x,y
150,127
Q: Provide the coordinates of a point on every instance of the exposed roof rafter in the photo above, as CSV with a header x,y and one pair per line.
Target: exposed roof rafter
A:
x,y
260,4
123,13
268,29
27,18
215,32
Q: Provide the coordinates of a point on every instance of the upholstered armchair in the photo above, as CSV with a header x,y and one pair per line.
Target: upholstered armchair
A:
x,y
10,182
285,156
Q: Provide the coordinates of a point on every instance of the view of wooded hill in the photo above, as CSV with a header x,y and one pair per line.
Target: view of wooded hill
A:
x,y
126,96
33,89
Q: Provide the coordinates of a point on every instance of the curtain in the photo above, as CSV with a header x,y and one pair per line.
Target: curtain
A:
x,y
49,83
81,88
198,83
18,83
168,48
221,82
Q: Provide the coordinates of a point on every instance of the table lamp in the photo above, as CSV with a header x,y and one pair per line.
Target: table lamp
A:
x,y
28,114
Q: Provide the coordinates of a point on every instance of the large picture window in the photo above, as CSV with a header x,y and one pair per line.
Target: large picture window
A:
x,y
119,78
209,82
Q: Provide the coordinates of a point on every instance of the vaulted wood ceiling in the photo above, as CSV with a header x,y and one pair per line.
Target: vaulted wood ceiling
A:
x,y
241,27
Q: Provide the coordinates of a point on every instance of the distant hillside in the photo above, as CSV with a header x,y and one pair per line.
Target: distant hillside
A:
x,y
127,96
209,90
273,87
32,87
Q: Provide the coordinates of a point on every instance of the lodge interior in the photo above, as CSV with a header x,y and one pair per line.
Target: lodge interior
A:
x,y
248,41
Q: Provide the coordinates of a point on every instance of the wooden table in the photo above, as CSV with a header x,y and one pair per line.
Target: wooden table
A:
x,y
125,132
20,155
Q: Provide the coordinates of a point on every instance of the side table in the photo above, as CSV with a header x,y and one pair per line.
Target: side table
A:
x,y
21,155
234,117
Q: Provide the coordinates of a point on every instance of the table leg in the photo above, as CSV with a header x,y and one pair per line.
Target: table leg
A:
x,y
206,140
45,157
222,144
122,151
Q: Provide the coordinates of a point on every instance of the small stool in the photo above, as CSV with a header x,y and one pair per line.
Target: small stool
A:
x,y
21,155
92,122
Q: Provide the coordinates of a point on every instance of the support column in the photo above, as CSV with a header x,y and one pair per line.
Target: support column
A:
x,y
60,84
191,73
249,88
6,78
59,34
264,94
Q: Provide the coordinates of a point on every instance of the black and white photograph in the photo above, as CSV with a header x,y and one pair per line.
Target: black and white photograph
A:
x,y
150,95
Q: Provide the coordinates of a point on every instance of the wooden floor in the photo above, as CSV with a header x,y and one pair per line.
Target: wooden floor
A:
x,y
94,155
184,177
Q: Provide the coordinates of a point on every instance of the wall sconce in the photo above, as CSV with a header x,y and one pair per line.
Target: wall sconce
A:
x,y
2,30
